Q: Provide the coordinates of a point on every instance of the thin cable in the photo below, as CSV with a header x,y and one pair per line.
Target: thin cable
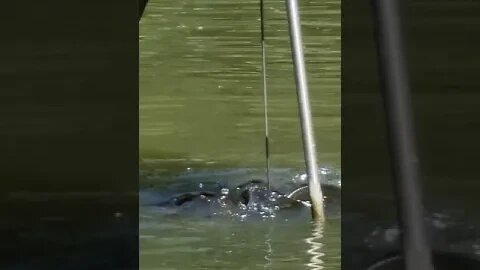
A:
x,y
265,97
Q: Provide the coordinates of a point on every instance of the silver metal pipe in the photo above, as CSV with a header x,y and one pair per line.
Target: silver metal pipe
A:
x,y
309,147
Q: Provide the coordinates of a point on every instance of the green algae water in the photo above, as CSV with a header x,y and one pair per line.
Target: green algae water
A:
x,y
201,118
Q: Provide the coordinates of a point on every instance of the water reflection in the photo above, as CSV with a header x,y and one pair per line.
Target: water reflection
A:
x,y
269,250
316,247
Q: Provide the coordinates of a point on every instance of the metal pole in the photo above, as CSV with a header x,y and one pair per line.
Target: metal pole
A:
x,y
309,148
396,94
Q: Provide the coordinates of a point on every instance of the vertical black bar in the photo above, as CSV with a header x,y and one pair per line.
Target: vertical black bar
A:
x,y
402,148
69,134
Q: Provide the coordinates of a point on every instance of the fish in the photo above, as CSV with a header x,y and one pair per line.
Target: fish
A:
x,y
253,196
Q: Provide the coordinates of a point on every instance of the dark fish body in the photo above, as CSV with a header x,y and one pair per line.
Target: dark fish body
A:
x,y
252,196
187,197
250,193
256,193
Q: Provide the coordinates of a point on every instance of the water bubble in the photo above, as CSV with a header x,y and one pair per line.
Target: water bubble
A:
x,y
225,191
200,28
200,185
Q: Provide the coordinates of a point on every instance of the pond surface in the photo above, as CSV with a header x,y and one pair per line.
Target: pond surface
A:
x,y
201,120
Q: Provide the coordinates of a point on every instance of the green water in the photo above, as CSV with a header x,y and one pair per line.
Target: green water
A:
x,y
201,107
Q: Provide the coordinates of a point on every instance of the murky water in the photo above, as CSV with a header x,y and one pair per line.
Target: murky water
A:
x,y
201,114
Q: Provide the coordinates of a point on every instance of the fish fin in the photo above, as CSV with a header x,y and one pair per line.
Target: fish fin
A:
x,y
300,194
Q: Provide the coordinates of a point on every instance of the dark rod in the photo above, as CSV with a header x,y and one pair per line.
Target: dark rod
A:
x,y
400,128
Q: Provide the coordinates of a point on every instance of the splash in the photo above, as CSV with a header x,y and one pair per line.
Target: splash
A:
x,y
226,193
